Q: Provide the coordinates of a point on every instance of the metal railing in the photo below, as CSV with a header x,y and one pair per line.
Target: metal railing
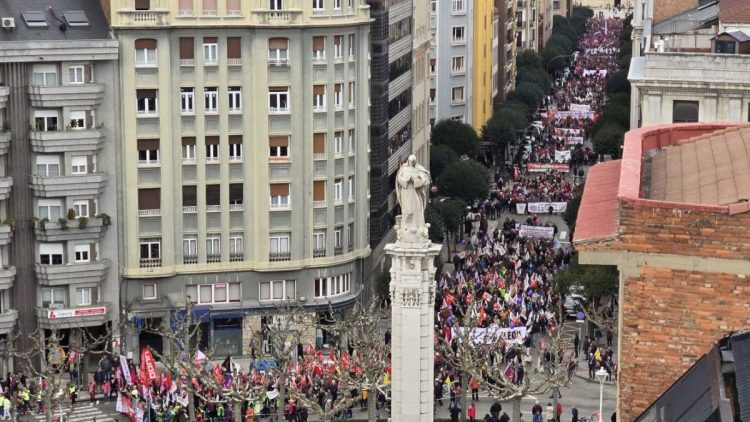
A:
x,y
279,256
190,259
319,253
150,262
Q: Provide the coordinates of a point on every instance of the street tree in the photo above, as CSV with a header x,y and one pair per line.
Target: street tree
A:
x,y
451,212
459,136
441,156
528,94
465,179
618,83
608,140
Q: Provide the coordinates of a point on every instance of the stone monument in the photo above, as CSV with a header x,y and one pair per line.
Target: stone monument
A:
x,y
412,291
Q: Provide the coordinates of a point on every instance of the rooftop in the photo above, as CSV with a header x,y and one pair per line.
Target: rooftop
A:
x,y
700,17
45,20
598,219
734,11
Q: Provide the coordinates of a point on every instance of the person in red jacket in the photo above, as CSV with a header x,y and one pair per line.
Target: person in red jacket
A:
x,y
472,412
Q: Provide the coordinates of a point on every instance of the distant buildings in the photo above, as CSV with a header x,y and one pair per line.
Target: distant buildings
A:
x,y
534,23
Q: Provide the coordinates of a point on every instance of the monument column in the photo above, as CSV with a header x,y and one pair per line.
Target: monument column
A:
x,y
412,294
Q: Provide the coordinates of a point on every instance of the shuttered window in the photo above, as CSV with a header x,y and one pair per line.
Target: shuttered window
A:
x,y
187,50
280,189
145,43
189,196
234,48
319,190
319,143
149,199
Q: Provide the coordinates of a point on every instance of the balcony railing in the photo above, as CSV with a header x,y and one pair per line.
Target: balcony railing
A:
x,y
278,61
320,156
191,209
278,17
209,13
213,258
213,208
338,250
236,257
212,160
150,262
142,18
351,247
187,62
148,163
149,213
190,259
236,207
319,253
320,204
234,62
278,110
185,13
234,13
279,256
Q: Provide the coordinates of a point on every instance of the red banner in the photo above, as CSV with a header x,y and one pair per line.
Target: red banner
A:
x,y
218,374
148,364
539,167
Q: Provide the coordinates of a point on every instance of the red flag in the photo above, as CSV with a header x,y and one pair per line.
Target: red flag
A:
x,y
218,374
148,365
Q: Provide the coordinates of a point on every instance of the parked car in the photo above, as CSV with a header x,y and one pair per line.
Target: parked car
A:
x,y
572,304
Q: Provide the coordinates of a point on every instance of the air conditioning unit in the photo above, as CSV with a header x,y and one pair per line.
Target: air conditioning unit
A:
x,y
9,23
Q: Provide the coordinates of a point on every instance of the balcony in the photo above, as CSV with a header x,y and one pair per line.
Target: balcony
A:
x,y
212,258
236,207
141,18
4,142
150,213
66,95
4,91
61,275
279,256
8,321
190,259
7,276
190,209
338,250
87,140
86,316
89,185
6,233
6,183
149,262
62,230
278,17
319,253
236,257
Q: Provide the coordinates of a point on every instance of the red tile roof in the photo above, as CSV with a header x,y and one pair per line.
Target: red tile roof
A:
x,y
734,11
597,216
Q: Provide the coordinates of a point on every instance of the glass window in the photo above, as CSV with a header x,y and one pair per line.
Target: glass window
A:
x,y
83,296
235,99
210,53
211,100
75,74
187,100
81,208
47,165
149,291
685,111
725,47
79,164
49,209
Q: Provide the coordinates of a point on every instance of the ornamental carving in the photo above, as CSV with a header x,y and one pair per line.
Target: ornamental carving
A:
x,y
410,298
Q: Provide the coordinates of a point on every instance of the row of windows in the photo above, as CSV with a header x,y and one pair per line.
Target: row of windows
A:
x,y
146,51
47,74
57,297
49,120
213,248
52,209
54,253
49,165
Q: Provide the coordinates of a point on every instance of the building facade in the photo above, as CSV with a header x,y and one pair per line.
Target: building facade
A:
x,y
58,241
673,216
712,42
464,61
245,160
400,90
506,52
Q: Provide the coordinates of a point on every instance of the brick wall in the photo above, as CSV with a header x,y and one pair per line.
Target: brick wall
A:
x,y
664,9
670,319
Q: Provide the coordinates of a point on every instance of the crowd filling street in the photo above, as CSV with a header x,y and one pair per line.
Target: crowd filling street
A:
x,y
503,277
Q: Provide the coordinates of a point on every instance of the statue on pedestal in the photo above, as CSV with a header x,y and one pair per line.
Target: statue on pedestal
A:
x,y
412,192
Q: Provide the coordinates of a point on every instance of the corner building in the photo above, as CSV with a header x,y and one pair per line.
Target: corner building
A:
x,y
245,159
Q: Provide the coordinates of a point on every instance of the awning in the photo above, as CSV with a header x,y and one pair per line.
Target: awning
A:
x,y
201,314
228,315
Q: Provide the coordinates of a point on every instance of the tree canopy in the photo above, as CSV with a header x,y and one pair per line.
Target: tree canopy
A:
x,y
460,137
441,156
608,140
465,179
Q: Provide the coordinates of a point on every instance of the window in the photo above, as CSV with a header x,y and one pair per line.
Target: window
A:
x,y
278,290
235,147
47,165
188,148
83,296
338,44
457,64
350,236
276,4
278,50
332,286
44,75
338,143
278,100
142,4
211,99
280,196
278,146
190,250
235,99
459,35
338,237
212,148
319,193
278,243
45,120
82,253
724,47
458,6
78,120
210,51
213,247
213,196
187,100
236,247
352,95
337,188
150,249
81,208
53,297
318,7
457,95
214,293
433,93
685,111
338,96
149,291
146,101
49,209
336,6
319,97
51,253
145,53
187,51
78,164
433,66
319,240
319,49
209,8
351,45
352,149
75,74
319,145
234,44
149,201
350,188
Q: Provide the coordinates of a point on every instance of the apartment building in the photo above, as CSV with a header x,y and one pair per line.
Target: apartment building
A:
x,y
534,20
245,161
506,51
691,66
464,60
58,184
400,89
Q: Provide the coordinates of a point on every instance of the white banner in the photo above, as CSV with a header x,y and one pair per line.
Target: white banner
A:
x,y
580,108
77,312
125,369
538,232
583,114
520,208
543,207
562,156
494,334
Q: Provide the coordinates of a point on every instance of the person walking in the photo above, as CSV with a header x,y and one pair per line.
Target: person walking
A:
x,y
576,344
471,412
592,365
73,394
455,412
549,413
6,408
474,384
574,414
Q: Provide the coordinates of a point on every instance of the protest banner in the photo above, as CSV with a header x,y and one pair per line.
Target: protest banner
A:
x,y
494,334
543,207
521,208
538,232
539,167
562,156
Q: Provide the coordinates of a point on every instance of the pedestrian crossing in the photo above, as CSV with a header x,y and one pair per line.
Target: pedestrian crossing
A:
x,y
81,413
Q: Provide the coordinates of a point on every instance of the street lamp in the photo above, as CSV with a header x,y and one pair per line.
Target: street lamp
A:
x,y
601,375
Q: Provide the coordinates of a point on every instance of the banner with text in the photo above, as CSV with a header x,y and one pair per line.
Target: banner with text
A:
x,y
543,207
149,364
539,167
125,369
562,156
521,208
494,334
580,108
538,232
